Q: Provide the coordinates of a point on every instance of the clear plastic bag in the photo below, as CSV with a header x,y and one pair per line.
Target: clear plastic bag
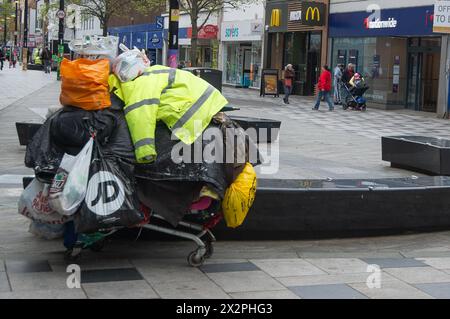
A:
x,y
70,182
95,46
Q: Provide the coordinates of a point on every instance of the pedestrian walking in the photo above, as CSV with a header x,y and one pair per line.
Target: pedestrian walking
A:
x,y
289,75
2,58
324,87
338,72
13,59
47,59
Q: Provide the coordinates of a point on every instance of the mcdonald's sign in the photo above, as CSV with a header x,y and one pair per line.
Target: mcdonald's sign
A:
x,y
313,13
275,18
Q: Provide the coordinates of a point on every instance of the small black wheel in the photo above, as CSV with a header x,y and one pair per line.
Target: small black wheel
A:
x,y
194,260
70,257
209,246
98,245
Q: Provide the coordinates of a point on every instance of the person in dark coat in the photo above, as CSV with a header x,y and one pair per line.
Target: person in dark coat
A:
x,y
2,58
324,87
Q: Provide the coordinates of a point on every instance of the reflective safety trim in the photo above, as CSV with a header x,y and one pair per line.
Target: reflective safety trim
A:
x,y
136,105
157,72
144,141
172,73
194,108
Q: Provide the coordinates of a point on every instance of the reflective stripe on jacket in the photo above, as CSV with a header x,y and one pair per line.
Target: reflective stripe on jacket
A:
x,y
183,101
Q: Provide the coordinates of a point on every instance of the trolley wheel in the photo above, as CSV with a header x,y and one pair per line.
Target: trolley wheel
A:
x,y
209,246
194,260
98,245
71,256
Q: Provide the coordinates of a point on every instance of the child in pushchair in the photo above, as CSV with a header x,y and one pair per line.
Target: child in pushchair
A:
x,y
355,90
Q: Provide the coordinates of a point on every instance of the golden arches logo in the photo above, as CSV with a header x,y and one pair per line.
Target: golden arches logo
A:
x,y
275,18
313,13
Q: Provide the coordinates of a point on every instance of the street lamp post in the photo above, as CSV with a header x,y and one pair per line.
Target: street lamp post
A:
x,y
174,17
15,25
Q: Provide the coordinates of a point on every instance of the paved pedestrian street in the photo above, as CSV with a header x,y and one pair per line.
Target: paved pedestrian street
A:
x,y
339,144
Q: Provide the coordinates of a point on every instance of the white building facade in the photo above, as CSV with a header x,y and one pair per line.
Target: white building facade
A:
x,y
241,41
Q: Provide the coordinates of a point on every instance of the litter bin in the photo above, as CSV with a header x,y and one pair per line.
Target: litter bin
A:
x,y
212,76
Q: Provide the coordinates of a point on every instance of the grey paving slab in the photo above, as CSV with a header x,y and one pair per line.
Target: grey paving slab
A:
x,y
395,289
38,281
2,265
45,294
339,265
419,275
343,278
86,263
438,263
168,271
287,267
268,294
136,289
241,281
338,291
437,290
198,289
228,267
355,254
394,262
4,283
24,266
106,275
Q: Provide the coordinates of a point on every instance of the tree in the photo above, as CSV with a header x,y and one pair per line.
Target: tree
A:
x,y
104,10
6,17
194,8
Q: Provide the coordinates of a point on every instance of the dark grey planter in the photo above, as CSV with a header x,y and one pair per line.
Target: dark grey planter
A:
x,y
26,131
267,130
418,153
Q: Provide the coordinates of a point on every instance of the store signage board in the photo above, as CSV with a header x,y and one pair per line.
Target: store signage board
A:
x,y
295,16
441,20
313,13
247,30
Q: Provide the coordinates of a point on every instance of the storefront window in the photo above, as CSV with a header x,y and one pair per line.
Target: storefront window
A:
x,y
242,64
383,63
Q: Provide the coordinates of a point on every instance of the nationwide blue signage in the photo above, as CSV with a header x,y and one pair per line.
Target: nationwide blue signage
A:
x,y
139,40
155,40
412,21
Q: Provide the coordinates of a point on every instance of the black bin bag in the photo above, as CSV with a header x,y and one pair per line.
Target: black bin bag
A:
x,y
111,198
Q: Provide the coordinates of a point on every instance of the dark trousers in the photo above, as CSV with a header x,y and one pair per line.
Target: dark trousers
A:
x,y
287,93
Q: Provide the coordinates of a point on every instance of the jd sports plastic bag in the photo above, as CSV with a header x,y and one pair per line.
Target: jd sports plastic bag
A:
x,y
33,203
70,182
239,197
111,199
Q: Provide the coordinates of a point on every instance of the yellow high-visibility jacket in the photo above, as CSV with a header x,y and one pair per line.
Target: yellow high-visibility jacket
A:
x,y
183,101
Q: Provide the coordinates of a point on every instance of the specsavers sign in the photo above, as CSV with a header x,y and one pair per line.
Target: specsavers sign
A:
x,y
249,30
441,19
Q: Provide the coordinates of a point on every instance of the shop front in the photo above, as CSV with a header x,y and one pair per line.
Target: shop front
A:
x,y
241,47
297,34
395,50
207,46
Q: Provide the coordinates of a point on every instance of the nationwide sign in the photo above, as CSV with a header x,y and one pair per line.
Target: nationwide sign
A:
x,y
379,24
441,20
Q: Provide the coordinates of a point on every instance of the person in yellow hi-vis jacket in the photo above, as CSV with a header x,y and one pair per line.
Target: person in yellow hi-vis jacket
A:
x,y
183,101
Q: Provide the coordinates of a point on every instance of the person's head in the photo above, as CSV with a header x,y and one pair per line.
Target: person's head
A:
x,y
357,76
325,68
350,66
289,67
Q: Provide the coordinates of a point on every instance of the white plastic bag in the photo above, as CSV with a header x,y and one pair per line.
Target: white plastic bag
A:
x,y
69,185
33,203
130,64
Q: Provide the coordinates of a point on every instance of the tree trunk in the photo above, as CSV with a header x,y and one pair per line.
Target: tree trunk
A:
x,y
105,28
194,43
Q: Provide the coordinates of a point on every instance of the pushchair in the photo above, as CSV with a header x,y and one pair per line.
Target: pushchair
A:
x,y
354,98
